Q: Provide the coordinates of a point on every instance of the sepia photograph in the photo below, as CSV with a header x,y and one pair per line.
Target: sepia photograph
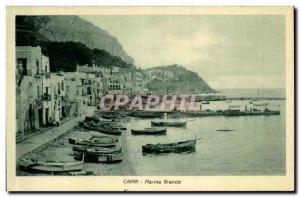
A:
x,y
154,97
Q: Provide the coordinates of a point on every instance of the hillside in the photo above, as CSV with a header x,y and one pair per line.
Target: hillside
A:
x,y
71,28
175,78
64,56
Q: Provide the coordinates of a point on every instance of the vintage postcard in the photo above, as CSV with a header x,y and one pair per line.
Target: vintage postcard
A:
x,y
150,99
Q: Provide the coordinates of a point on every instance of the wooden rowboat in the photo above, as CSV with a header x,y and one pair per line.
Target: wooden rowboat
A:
x,y
103,141
89,150
146,114
149,131
110,158
101,155
104,158
178,147
82,173
116,138
51,166
105,130
225,130
169,124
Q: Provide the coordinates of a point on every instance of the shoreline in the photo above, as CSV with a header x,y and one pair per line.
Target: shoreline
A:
x,y
59,149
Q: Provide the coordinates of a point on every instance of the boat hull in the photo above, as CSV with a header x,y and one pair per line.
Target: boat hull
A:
x,y
149,132
143,114
93,157
100,141
101,150
51,166
180,147
103,130
168,124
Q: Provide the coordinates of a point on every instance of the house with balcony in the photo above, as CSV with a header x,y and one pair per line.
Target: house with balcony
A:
x,y
32,75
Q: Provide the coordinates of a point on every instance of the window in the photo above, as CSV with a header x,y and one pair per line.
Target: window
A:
x,y
47,90
62,85
22,65
37,67
38,91
58,88
46,69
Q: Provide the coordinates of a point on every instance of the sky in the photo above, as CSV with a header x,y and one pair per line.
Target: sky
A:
x,y
238,51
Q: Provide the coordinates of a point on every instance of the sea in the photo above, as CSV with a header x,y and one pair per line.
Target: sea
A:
x,y
256,146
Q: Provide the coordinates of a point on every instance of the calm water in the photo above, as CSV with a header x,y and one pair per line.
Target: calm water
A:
x,y
256,147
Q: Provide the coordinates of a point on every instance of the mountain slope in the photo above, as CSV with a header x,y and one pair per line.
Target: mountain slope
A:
x,y
73,28
175,77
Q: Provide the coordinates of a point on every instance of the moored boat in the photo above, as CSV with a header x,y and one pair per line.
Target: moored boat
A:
x,y
101,155
103,150
100,141
51,166
116,138
102,129
178,147
167,123
225,130
146,114
149,131
81,173
109,158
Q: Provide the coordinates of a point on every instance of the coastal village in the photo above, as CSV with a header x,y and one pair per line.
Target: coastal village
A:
x,y
46,102
45,98
62,129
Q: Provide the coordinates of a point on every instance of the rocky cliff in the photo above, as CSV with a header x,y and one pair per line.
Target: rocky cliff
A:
x,y
73,28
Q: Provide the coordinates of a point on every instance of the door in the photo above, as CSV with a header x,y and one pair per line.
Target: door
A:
x,y
40,112
47,116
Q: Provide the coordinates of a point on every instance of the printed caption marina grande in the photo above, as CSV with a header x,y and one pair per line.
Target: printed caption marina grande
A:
x,y
151,182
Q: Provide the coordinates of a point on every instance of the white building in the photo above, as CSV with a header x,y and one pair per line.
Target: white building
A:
x,y
38,104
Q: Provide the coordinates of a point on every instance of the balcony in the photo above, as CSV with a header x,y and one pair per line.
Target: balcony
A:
x,y
46,97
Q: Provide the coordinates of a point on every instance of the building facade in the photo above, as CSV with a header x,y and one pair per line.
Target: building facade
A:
x,y
40,97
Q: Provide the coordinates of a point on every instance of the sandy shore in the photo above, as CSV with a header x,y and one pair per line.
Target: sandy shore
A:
x,y
60,150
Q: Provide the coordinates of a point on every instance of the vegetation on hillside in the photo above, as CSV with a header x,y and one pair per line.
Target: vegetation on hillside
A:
x,y
183,79
62,28
63,56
